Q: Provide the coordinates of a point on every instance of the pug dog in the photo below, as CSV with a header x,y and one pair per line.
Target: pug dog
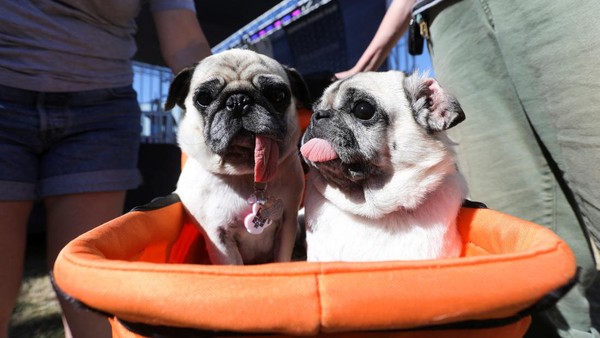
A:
x,y
382,183
243,181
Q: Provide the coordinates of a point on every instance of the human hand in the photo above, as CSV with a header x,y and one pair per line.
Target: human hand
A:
x,y
345,74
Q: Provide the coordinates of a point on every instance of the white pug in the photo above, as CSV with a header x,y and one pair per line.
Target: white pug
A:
x,y
243,179
382,183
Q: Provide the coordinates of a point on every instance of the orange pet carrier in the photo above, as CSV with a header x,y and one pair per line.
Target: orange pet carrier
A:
x,y
148,271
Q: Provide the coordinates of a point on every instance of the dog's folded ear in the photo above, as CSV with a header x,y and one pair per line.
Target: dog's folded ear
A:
x,y
433,108
179,88
299,88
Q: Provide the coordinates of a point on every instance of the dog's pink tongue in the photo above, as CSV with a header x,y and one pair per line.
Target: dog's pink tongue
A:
x,y
318,150
266,155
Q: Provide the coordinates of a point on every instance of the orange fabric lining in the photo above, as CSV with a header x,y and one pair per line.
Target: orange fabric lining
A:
x,y
304,115
125,267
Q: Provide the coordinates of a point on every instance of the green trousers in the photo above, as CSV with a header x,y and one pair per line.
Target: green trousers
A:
x,y
527,74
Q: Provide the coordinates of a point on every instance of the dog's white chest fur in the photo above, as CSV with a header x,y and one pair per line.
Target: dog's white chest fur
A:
x,y
223,212
428,232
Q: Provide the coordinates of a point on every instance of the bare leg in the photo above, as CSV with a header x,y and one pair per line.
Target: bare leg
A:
x,y
13,234
69,216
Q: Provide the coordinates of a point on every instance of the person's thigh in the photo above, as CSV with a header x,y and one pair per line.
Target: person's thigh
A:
x,y
68,216
93,140
552,50
498,151
13,235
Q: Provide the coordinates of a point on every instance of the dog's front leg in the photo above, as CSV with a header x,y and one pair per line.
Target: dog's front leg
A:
x,y
286,237
292,191
222,249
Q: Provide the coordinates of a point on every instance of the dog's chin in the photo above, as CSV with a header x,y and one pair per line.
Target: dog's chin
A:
x,y
240,152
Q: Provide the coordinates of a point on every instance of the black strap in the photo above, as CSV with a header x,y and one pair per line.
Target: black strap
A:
x,y
158,202
473,204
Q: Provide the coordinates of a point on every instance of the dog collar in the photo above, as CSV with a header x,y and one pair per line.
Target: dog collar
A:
x,y
264,209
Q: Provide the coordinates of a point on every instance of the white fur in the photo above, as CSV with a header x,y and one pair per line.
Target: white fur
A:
x,y
427,232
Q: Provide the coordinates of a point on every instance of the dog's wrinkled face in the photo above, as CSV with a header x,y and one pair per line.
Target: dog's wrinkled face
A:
x,y
237,103
372,124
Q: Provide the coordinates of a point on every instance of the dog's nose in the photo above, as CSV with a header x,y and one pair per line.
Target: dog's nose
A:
x,y
238,103
321,114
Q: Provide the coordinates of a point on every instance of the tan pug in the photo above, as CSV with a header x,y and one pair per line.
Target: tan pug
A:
x,y
382,183
243,180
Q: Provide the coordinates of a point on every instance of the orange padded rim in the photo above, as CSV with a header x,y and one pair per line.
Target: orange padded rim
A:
x,y
149,266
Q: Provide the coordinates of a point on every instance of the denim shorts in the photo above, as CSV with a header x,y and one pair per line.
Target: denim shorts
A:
x,y
66,143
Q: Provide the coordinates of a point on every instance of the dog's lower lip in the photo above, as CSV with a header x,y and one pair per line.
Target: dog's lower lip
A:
x,y
356,175
356,172
243,141
241,147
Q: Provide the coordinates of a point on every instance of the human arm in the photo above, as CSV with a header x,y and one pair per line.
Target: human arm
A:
x,y
182,41
392,27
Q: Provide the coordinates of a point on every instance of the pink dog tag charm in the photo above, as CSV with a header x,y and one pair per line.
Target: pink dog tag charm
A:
x,y
263,213
255,223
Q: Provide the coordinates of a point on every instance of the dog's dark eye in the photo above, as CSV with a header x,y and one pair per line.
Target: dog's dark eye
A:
x,y
363,110
203,98
276,95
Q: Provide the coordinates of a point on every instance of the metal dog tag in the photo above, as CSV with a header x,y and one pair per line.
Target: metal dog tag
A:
x,y
264,210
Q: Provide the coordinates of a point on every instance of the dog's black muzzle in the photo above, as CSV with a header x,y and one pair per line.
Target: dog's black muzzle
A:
x,y
239,104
